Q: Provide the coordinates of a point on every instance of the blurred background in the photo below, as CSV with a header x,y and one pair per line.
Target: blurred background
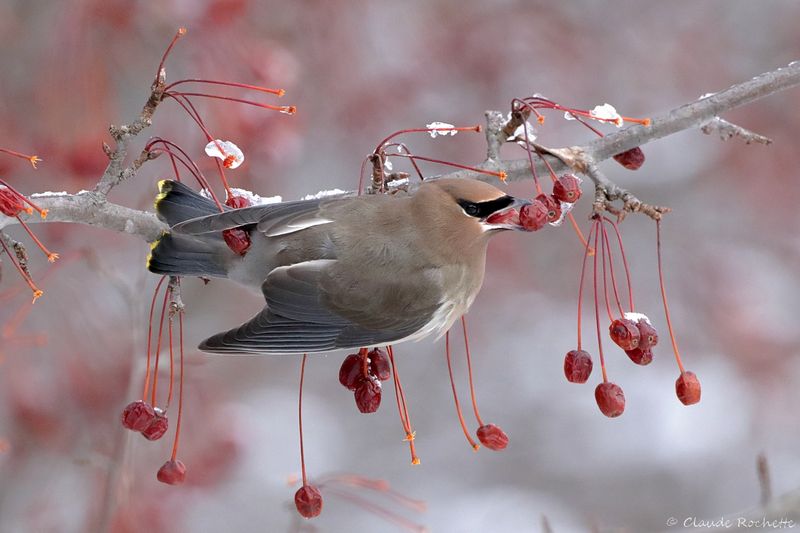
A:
x,y
358,71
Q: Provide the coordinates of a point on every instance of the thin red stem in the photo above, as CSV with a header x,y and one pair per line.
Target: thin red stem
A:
x,y
402,408
472,443
607,252
580,286
300,419
171,362
180,33
664,298
32,159
625,264
50,255
180,388
411,156
597,309
158,347
42,212
469,370
475,128
150,337
605,277
279,92
286,109
499,174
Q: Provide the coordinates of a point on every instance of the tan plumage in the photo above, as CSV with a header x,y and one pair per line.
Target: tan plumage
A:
x,y
340,273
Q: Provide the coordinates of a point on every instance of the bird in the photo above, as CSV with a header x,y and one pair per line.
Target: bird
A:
x,y
337,273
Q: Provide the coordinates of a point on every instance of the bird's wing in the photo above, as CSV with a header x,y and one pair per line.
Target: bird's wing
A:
x,y
298,319
271,219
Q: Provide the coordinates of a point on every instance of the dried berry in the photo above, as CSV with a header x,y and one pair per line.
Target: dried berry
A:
x,y
350,373
687,387
553,207
567,188
624,333
138,415
308,501
158,426
610,399
631,159
237,202
533,216
172,472
493,437
648,336
10,203
379,364
368,395
577,366
640,356
237,240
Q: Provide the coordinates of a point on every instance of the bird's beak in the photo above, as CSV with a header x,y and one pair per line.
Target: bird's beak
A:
x,y
506,218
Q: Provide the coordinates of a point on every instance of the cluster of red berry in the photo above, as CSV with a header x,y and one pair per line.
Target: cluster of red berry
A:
x,y
631,331
152,423
550,208
237,239
362,373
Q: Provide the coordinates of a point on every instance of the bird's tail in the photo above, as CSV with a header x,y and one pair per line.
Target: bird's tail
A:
x,y
179,254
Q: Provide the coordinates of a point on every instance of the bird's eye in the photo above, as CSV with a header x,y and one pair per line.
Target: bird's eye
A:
x,y
471,209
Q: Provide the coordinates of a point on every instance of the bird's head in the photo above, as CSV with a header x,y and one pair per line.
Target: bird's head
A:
x,y
476,205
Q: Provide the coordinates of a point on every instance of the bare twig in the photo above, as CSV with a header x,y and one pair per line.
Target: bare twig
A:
x,y
727,130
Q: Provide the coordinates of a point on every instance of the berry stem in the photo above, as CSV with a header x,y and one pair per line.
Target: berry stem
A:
x,y
402,408
499,174
37,292
469,370
180,388
624,263
300,419
664,299
178,34
580,286
50,255
278,92
402,146
472,443
42,212
597,307
171,363
607,253
32,159
381,144
286,109
158,347
149,338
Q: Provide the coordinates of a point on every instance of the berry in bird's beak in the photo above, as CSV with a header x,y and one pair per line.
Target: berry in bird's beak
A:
x,y
509,217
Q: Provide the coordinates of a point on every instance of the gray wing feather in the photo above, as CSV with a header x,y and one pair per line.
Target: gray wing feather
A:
x,y
272,219
296,321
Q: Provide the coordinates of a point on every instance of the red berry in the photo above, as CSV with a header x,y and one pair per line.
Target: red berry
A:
x,y
577,366
351,373
553,207
237,202
137,415
493,437
624,333
648,336
237,240
533,217
631,159
687,387
368,396
308,501
640,356
10,203
567,189
610,399
379,364
172,473
157,427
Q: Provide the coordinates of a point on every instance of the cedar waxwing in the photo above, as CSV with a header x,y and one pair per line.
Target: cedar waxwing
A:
x,y
340,272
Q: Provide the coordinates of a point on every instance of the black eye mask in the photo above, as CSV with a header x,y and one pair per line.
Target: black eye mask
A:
x,y
485,209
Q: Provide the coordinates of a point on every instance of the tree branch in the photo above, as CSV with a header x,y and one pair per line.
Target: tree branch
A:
x,y
93,209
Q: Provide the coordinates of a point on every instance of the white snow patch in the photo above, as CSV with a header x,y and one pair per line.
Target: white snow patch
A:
x,y
637,317
606,112
441,128
252,197
231,155
324,194
48,194
397,183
